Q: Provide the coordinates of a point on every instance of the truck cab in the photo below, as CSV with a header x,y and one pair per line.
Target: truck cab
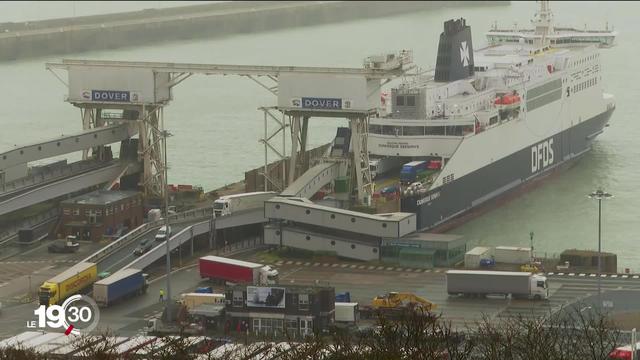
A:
x,y
373,168
539,287
48,294
268,275
163,234
221,207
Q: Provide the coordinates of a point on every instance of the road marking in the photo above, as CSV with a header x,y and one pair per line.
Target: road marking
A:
x,y
561,274
298,263
361,267
417,270
326,265
614,276
551,273
371,267
592,275
582,275
344,265
389,268
603,275
335,265
316,264
353,266
380,268
572,274
3,284
428,271
307,264
399,269
279,262
289,262
635,276
625,276
437,270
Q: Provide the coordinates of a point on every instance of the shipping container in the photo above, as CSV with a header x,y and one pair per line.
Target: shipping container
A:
x,y
346,312
482,283
472,257
123,284
513,255
236,271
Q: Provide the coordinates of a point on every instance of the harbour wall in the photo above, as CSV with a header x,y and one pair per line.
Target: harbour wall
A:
x,y
100,32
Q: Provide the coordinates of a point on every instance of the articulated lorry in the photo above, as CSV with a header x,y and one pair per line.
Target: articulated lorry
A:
x,y
220,269
227,205
121,285
482,283
70,282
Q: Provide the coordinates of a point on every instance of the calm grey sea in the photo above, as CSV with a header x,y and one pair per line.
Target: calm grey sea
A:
x,y
217,125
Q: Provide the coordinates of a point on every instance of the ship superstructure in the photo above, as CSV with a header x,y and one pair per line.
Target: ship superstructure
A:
x,y
556,35
491,120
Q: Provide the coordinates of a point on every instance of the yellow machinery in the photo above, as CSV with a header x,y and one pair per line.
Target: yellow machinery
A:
x,y
399,300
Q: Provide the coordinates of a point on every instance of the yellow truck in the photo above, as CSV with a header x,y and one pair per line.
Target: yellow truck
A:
x,y
69,282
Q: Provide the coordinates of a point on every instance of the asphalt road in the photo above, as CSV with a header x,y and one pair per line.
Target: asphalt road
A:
x,y
129,317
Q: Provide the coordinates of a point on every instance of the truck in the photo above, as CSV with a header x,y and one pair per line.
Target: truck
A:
x,y
192,300
69,245
71,281
227,205
220,269
480,283
413,171
121,285
379,166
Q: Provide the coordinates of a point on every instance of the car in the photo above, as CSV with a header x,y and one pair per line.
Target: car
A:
x,y
145,245
69,245
161,235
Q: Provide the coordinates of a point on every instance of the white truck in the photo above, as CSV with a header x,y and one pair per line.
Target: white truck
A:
x,y
346,312
379,166
481,283
227,205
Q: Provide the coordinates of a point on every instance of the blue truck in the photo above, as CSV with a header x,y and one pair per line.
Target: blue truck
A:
x,y
411,171
121,285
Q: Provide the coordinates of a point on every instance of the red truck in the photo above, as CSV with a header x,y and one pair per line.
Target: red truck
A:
x,y
224,269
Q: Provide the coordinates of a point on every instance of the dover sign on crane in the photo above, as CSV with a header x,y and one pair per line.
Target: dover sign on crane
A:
x,y
118,85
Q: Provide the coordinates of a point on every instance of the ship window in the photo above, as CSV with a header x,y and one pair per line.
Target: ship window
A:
x,y
413,130
434,130
411,101
391,130
375,129
400,100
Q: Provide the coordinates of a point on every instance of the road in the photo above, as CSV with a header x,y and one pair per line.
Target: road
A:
x,y
129,317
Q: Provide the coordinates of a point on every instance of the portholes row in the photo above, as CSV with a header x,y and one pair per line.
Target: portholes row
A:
x,y
333,242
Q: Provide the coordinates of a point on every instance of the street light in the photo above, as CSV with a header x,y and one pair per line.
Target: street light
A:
x,y
165,135
599,195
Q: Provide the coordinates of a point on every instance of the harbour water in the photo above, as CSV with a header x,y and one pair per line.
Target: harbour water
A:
x,y
216,124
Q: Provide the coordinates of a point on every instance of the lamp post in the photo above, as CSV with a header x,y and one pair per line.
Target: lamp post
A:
x,y
165,135
599,195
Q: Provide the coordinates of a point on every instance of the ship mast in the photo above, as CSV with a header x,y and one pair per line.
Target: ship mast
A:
x,y
543,22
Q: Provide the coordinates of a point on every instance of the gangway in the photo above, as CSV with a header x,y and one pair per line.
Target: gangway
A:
x,y
313,180
65,186
65,144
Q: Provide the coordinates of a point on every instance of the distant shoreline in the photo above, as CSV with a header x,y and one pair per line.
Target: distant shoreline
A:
x,y
20,40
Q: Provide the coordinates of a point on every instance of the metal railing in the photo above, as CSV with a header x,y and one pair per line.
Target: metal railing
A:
x,y
50,175
12,232
134,234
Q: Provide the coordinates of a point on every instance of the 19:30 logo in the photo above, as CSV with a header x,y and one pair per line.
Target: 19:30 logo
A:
x,y
78,314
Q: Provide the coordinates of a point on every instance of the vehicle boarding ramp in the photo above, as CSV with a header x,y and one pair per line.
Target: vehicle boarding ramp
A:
x,y
241,218
65,144
102,175
392,225
313,180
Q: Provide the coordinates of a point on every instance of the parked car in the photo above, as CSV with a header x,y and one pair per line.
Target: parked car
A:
x,y
162,234
145,245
